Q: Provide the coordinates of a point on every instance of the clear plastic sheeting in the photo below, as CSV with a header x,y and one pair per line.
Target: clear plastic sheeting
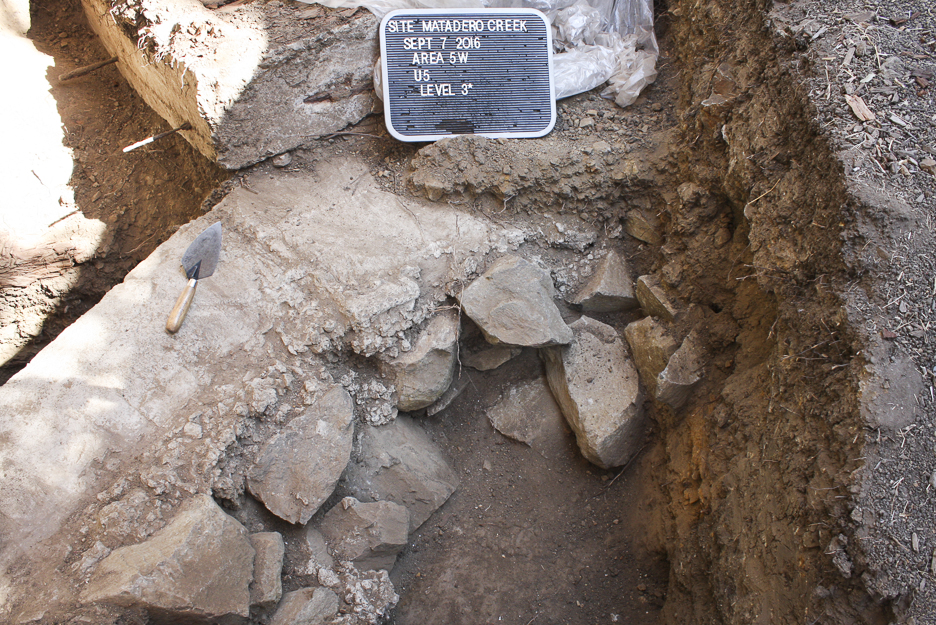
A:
x,y
590,51
595,41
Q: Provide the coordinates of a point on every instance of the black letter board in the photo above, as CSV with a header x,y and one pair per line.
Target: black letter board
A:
x,y
467,72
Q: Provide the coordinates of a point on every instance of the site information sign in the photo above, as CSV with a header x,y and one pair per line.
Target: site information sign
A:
x,y
467,71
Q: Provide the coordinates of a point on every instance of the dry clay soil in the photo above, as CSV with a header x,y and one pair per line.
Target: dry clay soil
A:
x,y
805,243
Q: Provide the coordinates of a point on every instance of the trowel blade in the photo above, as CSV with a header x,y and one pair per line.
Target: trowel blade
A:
x,y
205,249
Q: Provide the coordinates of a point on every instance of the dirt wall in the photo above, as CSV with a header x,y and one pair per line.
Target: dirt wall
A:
x,y
761,469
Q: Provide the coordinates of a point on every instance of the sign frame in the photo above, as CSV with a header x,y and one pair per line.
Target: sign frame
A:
x,y
465,15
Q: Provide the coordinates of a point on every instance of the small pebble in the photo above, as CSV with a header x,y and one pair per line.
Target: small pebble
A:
x,y
282,160
601,147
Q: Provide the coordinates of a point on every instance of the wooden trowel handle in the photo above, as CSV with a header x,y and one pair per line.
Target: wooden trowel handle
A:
x,y
178,312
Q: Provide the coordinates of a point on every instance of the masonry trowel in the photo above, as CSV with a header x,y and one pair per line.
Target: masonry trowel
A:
x,y
199,261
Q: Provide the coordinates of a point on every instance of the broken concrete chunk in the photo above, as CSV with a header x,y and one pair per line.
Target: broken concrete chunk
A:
x,y
654,300
528,413
298,468
367,596
597,388
492,357
306,606
682,372
424,373
400,463
644,226
512,302
652,344
260,87
197,567
267,586
368,534
611,289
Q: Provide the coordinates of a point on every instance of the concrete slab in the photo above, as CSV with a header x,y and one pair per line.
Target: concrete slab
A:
x,y
252,79
116,422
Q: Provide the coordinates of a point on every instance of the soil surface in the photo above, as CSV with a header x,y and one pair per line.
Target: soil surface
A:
x,y
798,234
531,536
885,54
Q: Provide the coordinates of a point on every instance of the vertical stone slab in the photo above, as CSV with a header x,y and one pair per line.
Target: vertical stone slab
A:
x,y
597,388
306,606
368,534
610,289
267,586
424,373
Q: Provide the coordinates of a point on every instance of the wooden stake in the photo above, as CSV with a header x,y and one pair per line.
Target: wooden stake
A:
x,y
148,140
87,69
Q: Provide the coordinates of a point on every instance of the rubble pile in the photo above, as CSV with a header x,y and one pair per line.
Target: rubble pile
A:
x,y
399,476
312,419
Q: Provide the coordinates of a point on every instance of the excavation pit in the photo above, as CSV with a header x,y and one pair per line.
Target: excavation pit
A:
x,y
775,483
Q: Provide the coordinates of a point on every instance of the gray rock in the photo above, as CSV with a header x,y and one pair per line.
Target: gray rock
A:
x,y
889,386
267,586
318,550
893,68
424,373
260,88
644,226
492,357
512,302
597,388
611,289
368,534
654,300
199,566
683,371
652,344
528,413
400,463
306,606
298,468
